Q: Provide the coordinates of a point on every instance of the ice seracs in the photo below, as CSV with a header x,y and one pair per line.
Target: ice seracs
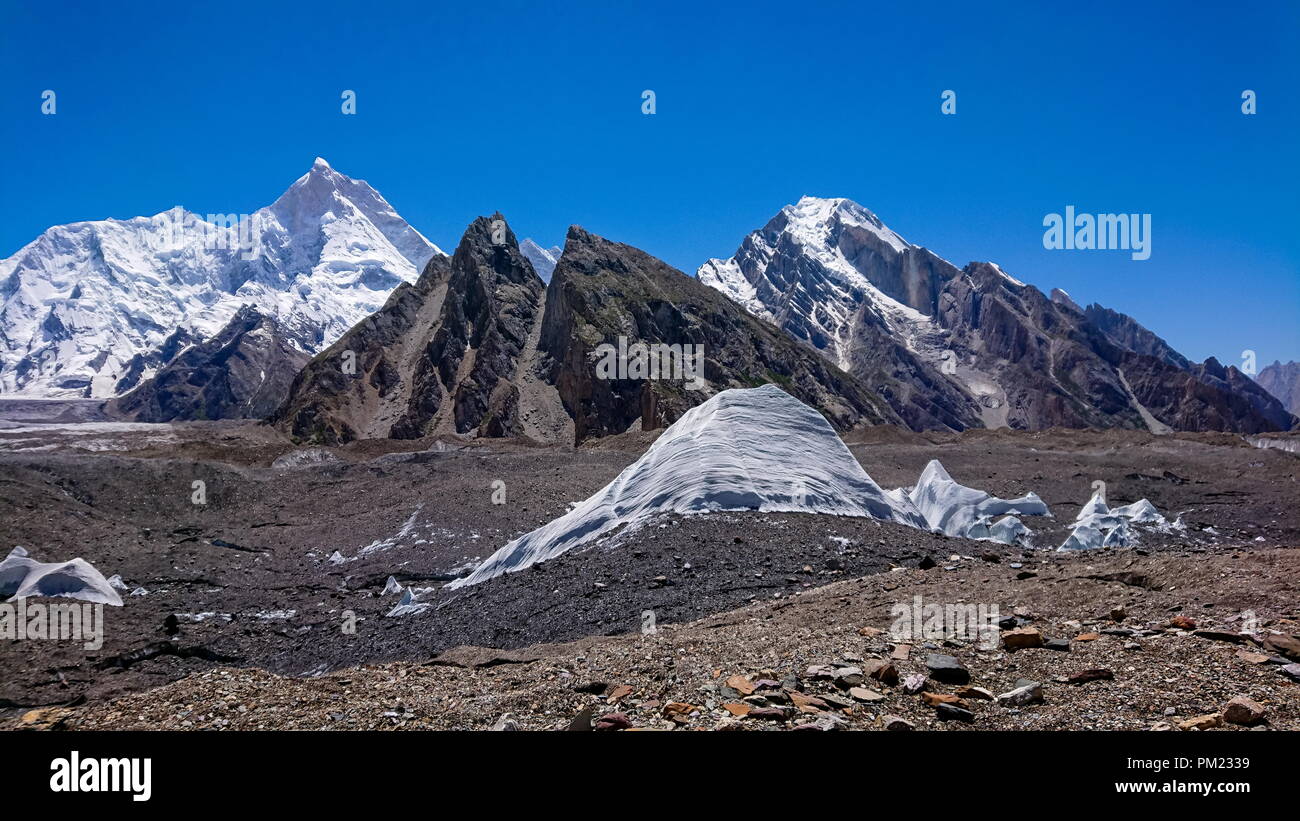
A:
x,y
957,510
760,449
22,577
408,605
1099,525
754,449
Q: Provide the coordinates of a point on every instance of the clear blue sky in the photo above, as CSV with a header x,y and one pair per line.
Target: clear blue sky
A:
x,y
534,109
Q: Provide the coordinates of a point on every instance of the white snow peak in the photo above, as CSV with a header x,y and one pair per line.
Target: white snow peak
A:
x,y
82,299
543,259
756,449
830,250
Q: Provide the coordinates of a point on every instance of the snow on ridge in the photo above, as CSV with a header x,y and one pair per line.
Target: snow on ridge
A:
x,y
811,220
756,449
1005,275
84,298
725,275
542,259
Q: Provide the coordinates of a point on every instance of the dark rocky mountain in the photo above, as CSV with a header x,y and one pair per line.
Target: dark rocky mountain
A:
x,y
144,362
1282,382
478,346
603,290
442,356
974,347
243,372
1126,332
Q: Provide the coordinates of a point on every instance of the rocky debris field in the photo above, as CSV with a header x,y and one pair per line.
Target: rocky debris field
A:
x,y
250,581
1118,642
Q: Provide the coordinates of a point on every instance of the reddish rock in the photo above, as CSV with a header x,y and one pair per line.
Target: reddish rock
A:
x,y
1242,710
1021,638
807,704
613,721
1085,676
883,671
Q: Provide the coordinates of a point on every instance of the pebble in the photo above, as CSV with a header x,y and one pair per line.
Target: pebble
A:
x,y
947,669
1242,710
1029,693
897,724
1204,722
951,712
1021,638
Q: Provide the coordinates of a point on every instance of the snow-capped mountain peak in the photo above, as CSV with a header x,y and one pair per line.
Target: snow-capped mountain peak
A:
x,y
89,308
814,220
542,259
825,267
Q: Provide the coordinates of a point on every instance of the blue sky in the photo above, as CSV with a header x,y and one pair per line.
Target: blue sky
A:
x,y
535,109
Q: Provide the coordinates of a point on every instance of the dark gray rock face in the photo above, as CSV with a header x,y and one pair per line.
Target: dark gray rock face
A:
x,y
243,372
1126,332
442,355
478,347
473,357
1059,368
152,360
602,290
1282,382
1208,396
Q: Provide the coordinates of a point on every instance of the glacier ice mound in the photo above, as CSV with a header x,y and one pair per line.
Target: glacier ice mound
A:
x,y
1099,525
22,577
956,510
756,449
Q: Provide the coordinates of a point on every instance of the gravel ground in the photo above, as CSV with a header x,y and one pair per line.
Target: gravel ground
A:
x,y
245,580
1160,674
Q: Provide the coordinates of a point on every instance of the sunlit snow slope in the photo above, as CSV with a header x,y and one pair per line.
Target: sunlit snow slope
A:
x,y
85,308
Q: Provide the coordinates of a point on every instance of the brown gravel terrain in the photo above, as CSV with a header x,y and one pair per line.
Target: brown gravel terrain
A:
x,y
243,588
1155,674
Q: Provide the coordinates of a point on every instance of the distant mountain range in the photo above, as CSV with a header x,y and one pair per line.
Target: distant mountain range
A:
x,y
968,347
179,320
